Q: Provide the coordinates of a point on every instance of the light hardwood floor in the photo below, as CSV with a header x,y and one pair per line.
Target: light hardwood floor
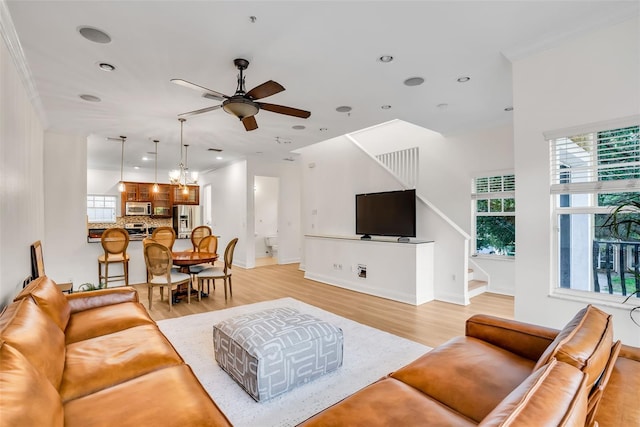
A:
x,y
431,324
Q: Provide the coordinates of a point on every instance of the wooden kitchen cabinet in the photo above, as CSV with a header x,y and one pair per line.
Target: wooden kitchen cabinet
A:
x,y
161,202
191,198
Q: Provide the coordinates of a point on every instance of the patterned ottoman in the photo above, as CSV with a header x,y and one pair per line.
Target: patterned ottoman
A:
x,y
272,351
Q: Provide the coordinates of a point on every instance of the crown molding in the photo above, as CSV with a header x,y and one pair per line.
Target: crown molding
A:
x,y
10,37
621,14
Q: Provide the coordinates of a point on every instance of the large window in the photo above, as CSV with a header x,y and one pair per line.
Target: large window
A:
x,y
101,208
495,215
592,173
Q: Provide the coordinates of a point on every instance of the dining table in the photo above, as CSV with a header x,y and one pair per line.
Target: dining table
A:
x,y
185,259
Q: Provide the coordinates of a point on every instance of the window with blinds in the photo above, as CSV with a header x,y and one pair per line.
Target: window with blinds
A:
x,y
101,208
494,215
600,160
594,170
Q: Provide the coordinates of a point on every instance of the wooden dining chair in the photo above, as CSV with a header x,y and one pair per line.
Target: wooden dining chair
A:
x,y
207,244
114,242
165,236
159,261
198,234
224,272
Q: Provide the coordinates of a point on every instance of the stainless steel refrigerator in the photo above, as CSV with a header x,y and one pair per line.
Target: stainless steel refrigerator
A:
x,y
185,219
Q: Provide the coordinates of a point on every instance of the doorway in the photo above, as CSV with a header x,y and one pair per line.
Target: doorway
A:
x,y
266,195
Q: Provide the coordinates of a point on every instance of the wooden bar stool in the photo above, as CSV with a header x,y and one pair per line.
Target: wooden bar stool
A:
x,y
114,242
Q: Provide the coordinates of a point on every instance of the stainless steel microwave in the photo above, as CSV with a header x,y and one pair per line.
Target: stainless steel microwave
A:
x,y
138,208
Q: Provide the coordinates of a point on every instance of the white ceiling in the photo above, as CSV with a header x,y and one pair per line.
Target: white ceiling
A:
x,y
324,53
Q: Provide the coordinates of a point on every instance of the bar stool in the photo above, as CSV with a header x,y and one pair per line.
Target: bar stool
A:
x,y
114,242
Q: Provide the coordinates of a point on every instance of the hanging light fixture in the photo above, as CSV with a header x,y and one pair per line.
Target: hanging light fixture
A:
x,y
155,186
181,176
121,184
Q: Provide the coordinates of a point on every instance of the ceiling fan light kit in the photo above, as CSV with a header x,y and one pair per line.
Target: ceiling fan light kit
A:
x,y
243,104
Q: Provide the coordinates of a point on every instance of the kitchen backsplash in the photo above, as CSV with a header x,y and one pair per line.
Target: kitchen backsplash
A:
x,y
122,220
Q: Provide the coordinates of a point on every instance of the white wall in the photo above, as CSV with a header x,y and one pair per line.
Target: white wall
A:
x,y
589,79
447,166
21,179
266,212
229,207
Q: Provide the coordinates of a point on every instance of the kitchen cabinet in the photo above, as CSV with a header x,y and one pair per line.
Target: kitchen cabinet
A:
x,y
136,192
161,202
191,198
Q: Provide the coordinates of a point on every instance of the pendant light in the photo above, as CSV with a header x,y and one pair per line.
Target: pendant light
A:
x,y
155,186
121,185
185,190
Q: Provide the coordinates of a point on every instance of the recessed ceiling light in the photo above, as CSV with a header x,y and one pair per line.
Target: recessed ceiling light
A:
x,y
93,34
323,129
90,98
508,109
343,109
136,167
144,159
298,127
106,67
386,107
414,81
218,158
463,79
385,58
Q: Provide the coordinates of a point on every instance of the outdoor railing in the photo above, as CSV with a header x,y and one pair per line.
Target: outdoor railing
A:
x,y
616,267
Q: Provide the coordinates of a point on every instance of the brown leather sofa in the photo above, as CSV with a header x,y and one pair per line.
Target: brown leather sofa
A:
x,y
93,359
98,359
506,373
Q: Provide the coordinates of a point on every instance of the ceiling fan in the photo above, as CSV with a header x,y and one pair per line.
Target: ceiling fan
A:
x,y
243,104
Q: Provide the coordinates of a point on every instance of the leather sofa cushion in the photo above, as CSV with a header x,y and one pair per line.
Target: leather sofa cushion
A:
x,y
585,342
81,301
619,405
554,395
388,402
104,361
466,374
169,397
26,397
49,298
106,320
27,328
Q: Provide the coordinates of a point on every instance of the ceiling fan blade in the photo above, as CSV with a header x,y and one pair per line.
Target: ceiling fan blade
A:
x,y
250,123
281,109
202,110
211,93
265,89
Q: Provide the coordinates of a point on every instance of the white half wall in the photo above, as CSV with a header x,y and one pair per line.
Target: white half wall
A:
x,y
22,209
590,79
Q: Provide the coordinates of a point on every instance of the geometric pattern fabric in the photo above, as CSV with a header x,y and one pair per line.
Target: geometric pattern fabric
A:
x,y
273,351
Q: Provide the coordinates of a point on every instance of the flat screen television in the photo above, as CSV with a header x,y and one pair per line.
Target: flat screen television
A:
x,y
389,213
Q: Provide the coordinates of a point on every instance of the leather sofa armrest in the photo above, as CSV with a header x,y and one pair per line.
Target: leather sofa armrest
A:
x,y
80,301
629,352
523,339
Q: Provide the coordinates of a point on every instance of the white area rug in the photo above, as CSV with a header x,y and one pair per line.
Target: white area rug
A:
x,y
369,354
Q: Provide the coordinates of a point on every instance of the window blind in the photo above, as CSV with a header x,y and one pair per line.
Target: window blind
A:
x,y
606,160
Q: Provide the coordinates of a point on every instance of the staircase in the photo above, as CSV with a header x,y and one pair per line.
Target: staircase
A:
x,y
475,287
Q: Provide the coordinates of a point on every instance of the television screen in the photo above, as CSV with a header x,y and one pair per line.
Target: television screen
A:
x,y
390,213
